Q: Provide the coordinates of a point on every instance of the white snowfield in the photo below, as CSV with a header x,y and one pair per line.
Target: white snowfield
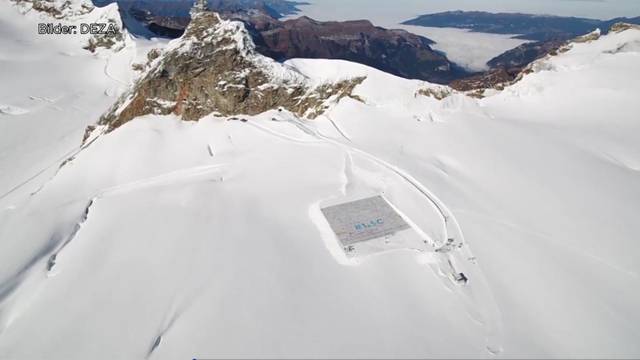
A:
x,y
178,240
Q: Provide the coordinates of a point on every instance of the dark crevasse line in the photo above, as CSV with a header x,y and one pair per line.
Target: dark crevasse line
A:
x,y
45,257
51,263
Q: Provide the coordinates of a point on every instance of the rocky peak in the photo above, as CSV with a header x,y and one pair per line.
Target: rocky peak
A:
x,y
198,7
214,68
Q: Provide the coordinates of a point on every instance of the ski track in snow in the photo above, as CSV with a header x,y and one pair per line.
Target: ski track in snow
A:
x,y
60,162
283,136
108,73
67,155
480,307
338,128
171,178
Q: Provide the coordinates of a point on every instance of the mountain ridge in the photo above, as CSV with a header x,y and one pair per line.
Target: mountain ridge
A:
x,y
522,26
173,239
214,67
395,51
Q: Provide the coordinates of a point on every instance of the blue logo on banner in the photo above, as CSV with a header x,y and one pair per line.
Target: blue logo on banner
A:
x,y
369,225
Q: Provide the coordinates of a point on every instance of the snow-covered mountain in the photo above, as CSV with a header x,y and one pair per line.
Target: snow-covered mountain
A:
x,y
214,67
161,238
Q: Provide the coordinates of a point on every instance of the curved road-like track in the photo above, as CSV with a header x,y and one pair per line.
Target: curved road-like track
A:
x,y
452,251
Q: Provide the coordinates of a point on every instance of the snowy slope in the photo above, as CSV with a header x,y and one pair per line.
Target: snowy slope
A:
x,y
51,90
167,239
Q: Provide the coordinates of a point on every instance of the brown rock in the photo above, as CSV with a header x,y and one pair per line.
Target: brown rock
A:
x,y
214,68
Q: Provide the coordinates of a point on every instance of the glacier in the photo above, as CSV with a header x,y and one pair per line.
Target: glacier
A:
x,y
168,239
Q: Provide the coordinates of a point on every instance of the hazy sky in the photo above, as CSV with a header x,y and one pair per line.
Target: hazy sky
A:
x,y
386,12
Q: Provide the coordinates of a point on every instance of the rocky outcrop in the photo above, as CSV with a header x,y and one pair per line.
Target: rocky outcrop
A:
x,y
108,40
58,9
438,93
214,68
495,78
622,26
74,12
592,36
394,51
523,55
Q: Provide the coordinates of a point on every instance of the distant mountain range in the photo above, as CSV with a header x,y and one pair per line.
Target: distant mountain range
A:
x,y
526,26
547,34
169,18
395,51
179,8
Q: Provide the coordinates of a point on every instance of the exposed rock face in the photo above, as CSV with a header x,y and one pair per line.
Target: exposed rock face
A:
x,y
114,41
622,26
394,51
490,79
524,54
594,35
58,9
438,93
214,68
